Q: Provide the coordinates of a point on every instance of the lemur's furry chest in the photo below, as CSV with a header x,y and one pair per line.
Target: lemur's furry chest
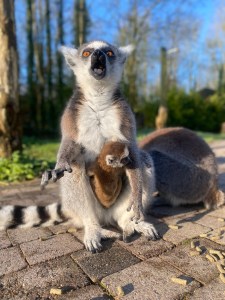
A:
x,y
96,125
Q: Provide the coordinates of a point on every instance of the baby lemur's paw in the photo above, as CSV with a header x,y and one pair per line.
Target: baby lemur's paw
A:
x,y
55,174
148,230
137,210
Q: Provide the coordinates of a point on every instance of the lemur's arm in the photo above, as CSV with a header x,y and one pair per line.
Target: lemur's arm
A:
x,y
67,153
134,174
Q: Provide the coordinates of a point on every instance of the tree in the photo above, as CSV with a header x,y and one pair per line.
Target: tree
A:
x,y
59,58
81,21
30,65
10,131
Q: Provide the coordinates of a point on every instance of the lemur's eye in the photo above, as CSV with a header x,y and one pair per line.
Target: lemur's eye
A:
x,y
110,53
86,53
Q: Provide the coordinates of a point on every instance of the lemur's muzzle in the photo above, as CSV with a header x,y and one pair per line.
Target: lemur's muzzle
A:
x,y
98,64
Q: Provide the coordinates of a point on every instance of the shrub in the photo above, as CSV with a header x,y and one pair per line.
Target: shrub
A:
x,y
20,167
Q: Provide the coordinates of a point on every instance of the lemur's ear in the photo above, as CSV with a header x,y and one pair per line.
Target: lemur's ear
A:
x,y
70,55
126,51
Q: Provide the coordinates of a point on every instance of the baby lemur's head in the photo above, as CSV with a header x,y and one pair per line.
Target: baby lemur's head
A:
x,y
97,63
114,155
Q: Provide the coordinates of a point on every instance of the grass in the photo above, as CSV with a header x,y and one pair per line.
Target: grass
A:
x,y
43,149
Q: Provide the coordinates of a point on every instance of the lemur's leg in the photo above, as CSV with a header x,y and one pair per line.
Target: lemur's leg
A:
x,y
68,152
124,219
79,202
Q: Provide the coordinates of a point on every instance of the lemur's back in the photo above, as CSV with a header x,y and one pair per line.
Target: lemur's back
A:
x,y
185,167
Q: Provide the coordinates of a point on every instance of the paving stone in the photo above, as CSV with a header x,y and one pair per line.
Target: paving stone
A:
x,y
163,211
11,260
187,231
208,244
4,240
10,191
143,248
216,232
215,290
210,221
91,292
107,262
56,229
39,251
150,279
46,199
17,201
197,267
20,235
219,213
39,279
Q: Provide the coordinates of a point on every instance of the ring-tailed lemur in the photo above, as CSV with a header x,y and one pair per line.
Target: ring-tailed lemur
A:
x,y
185,167
107,172
95,114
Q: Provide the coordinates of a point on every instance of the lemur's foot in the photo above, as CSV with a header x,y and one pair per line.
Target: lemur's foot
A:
x,y
145,228
148,230
55,175
93,237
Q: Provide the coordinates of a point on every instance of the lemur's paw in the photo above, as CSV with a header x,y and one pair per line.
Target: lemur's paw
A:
x,y
148,230
55,174
92,240
138,213
128,231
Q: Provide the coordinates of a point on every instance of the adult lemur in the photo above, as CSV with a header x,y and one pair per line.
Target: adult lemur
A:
x,y
96,114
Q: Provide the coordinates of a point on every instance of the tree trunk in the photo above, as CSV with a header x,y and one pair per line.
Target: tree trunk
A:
x,y
82,22
10,129
59,58
38,26
30,66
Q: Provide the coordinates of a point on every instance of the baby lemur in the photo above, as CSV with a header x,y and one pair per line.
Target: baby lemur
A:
x,y
107,171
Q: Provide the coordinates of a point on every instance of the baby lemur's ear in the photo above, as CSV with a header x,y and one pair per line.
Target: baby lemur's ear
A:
x,y
70,55
125,52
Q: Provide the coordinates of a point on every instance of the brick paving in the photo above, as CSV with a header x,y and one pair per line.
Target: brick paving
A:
x,y
32,261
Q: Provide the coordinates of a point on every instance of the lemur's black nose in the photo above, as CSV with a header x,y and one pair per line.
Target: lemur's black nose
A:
x,y
99,55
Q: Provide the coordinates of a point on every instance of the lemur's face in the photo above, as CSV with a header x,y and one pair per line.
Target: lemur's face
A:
x,y
97,62
118,161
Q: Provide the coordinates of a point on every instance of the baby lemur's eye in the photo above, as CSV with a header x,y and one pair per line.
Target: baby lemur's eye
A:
x,y
110,53
86,53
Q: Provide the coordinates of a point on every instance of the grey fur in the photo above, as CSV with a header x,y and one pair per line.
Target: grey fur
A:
x,y
185,167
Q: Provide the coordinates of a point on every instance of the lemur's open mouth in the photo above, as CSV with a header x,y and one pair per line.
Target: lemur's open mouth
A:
x,y
98,64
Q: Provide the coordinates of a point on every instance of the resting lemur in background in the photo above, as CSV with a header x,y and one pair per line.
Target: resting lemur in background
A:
x,y
107,171
185,167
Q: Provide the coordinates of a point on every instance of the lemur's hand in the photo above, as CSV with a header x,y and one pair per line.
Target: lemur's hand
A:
x,y
55,174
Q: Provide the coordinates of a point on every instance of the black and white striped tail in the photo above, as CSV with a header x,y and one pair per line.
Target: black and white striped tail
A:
x,y
12,216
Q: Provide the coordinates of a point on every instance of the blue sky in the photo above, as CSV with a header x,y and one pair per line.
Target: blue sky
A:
x,y
106,18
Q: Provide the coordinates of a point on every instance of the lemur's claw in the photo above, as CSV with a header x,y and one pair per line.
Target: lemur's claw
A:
x,y
57,174
46,176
